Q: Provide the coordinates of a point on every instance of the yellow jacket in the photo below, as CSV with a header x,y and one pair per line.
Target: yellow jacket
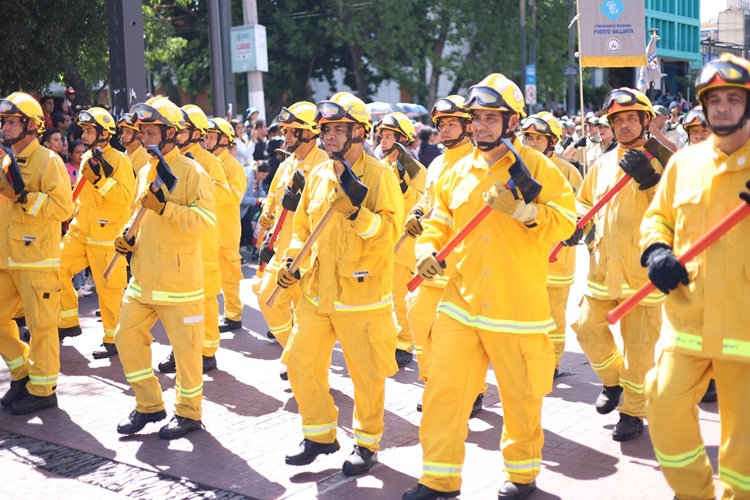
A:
x,y
562,272
615,270
102,209
405,255
435,172
708,317
166,265
501,267
30,232
228,213
280,181
349,269
138,158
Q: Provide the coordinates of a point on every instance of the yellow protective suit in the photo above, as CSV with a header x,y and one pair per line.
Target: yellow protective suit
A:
x,y
280,317
100,212
491,312
167,284
704,334
615,273
230,229
561,273
422,304
30,267
222,194
347,281
404,261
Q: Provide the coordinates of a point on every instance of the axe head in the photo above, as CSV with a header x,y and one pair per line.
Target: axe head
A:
x,y
655,149
15,179
98,156
521,178
190,155
298,181
407,162
164,175
355,190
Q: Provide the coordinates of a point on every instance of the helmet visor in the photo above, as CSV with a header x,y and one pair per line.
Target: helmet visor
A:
x,y
695,117
287,117
622,97
486,97
444,105
390,122
728,71
86,118
328,110
9,108
147,114
534,124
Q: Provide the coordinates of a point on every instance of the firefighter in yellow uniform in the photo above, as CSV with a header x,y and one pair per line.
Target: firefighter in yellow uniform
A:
x,y
347,285
189,141
301,134
695,126
102,208
220,136
167,282
395,129
706,312
30,255
542,132
130,139
490,310
614,271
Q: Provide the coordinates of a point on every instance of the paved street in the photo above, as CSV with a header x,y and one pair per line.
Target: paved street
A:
x,y
251,423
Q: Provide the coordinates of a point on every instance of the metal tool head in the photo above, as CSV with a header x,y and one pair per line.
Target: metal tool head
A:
x,y
655,149
521,178
298,181
407,162
164,174
355,190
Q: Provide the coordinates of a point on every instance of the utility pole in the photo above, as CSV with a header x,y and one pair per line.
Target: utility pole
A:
x,y
127,65
571,59
255,95
217,64
532,55
522,5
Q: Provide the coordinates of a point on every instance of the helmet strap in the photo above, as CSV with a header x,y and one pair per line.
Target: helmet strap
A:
x,y
26,131
350,140
635,141
452,143
505,134
724,131
300,140
551,143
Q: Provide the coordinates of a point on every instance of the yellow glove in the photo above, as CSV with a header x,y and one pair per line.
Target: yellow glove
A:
x,y
7,190
154,201
413,227
123,246
428,266
340,202
266,220
89,173
503,200
284,277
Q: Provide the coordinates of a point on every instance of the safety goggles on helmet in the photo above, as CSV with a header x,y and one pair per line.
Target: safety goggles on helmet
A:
x,y
329,110
729,72
389,121
695,117
9,108
445,105
623,97
538,125
485,96
287,117
147,114
86,118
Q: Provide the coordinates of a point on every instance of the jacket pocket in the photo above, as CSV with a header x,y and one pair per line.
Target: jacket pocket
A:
x,y
30,243
539,355
43,311
179,262
690,218
103,232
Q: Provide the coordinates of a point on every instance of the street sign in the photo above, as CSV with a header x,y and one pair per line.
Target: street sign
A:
x,y
570,70
530,94
248,48
530,84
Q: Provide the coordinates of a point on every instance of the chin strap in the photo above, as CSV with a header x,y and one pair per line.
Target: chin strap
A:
x,y
452,143
506,134
723,131
635,141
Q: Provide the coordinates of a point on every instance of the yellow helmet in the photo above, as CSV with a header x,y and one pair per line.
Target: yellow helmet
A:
x,y
694,118
221,126
343,107
726,71
25,107
453,105
159,110
300,115
543,123
127,120
195,116
495,92
399,123
626,99
99,118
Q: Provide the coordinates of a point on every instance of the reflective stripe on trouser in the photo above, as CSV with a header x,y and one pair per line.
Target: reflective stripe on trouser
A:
x,y
422,306
75,256
558,302
211,288
368,341
184,326
459,357
280,317
640,332
673,389
230,264
401,277
40,293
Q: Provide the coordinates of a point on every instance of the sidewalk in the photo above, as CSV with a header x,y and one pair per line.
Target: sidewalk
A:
x,y
251,423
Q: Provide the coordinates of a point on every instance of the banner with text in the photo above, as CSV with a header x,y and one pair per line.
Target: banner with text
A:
x,y
612,33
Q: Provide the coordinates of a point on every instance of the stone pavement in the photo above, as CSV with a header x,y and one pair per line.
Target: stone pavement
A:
x,y
251,423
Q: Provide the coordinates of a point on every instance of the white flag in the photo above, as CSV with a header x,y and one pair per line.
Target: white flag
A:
x,y
651,72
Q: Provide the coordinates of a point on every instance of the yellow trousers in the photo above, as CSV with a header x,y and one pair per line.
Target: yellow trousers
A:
x,y
368,341
211,288
401,277
76,253
421,305
640,332
459,358
230,263
280,317
558,303
184,326
40,361
673,389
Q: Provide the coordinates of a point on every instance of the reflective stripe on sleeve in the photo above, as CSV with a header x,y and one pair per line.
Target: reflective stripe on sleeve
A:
x,y
205,214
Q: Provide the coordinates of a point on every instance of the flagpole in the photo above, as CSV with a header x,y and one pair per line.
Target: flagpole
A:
x,y
584,166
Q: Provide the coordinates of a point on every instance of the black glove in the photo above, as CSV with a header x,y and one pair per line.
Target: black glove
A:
x,y
638,166
746,195
290,200
576,238
266,254
664,270
581,143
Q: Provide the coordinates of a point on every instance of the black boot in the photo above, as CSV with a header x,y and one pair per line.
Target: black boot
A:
x,y
710,396
477,406
270,335
106,351
283,373
422,492
16,392
179,426
516,490
30,403
168,365
21,322
209,363
137,421
403,358
608,399
628,428
228,325
71,331
360,461
309,450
